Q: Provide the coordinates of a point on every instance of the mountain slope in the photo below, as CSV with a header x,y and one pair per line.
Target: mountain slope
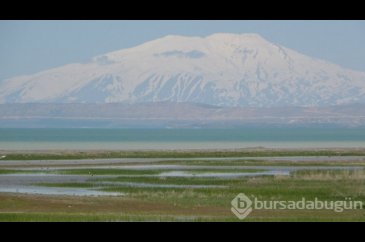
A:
x,y
221,69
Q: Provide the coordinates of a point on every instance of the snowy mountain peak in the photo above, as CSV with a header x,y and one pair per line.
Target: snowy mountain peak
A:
x,y
228,37
221,69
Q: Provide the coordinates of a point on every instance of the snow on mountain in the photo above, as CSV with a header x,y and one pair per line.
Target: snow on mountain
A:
x,y
220,69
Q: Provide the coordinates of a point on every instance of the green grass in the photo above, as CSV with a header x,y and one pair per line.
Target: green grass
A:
x,y
67,185
188,204
99,172
177,180
234,170
8,171
131,172
266,188
5,172
64,217
248,162
334,175
182,154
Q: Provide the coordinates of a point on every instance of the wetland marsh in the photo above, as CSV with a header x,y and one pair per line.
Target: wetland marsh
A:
x,y
199,187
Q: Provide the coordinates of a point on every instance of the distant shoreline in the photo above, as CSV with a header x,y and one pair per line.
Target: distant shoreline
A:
x,y
108,146
198,153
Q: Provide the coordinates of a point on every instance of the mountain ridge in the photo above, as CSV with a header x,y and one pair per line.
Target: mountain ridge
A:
x,y
229,70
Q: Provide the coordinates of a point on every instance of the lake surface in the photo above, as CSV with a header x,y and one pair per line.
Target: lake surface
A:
x,y
154,139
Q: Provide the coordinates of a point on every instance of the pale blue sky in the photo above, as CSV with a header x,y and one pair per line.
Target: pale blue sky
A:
x,y
27,47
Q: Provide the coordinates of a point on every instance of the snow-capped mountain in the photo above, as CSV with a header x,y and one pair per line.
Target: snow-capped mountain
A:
x,y
220,69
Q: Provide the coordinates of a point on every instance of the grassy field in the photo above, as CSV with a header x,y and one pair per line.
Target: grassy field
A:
x,y
58,155
148,195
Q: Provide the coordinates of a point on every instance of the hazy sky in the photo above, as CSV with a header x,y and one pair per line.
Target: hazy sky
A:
x,y
27,47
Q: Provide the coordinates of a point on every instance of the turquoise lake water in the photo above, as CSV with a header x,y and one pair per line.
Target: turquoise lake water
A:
x,y
43,139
